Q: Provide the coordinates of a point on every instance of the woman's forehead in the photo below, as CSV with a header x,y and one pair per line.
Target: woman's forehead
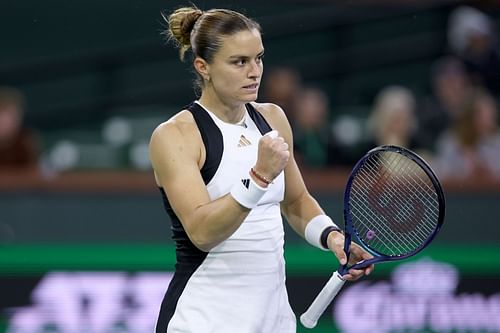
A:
x,y
242,43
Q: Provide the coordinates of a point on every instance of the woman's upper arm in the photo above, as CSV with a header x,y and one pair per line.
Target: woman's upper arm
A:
x,y
175,154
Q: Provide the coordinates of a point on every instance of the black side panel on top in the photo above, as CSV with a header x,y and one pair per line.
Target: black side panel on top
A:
x,y
212,139
258,119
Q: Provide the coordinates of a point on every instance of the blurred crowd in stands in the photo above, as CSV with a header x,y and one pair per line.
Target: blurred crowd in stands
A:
x,y
18,145
455,127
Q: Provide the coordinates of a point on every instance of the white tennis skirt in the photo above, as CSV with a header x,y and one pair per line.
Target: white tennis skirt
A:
x,y
235,293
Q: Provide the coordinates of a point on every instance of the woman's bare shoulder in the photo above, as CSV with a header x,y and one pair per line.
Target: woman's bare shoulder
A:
x,y
274,115
270,111
180,124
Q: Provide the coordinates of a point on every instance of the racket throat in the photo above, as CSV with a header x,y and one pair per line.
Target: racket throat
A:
x,y
343,270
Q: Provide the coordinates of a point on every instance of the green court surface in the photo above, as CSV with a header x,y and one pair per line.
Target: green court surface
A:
x,y
301,259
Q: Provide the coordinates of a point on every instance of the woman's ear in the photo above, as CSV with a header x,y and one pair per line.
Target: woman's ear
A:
x,y
202,67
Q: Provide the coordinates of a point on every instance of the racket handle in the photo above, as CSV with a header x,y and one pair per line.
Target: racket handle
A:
x,y
310,318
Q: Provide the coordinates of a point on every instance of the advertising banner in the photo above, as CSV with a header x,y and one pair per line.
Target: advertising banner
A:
x,y
418,296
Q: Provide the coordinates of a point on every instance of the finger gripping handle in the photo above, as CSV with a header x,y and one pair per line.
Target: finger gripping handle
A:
x,y
310,318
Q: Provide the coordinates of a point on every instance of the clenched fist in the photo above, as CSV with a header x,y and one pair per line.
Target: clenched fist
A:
x,y
273,155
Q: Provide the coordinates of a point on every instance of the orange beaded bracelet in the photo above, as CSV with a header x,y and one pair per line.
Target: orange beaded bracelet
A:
x,y
260,177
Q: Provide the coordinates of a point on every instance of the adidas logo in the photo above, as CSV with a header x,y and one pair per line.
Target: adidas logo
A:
x,y
244,141
246,182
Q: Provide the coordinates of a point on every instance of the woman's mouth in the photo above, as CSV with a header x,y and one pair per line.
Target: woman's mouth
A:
x,y
253,86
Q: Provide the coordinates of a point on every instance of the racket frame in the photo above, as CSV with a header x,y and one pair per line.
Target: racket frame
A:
x,y
310,318
349,232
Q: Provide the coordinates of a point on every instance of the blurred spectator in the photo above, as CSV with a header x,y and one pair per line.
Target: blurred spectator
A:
x,y
312,135
349,135
472,146
393,120
18,150
472,37
450,86
280,86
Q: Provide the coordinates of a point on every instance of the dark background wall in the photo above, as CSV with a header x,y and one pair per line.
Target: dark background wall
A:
x,y
80,62
140,218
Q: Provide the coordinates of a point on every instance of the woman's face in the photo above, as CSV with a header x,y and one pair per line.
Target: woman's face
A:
x,y
236,70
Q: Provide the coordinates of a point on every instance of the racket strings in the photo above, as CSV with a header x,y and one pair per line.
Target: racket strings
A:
x,y
417,193
423,180
394,204
390,187
375,230
409,165
421,188
367,215
404,210
381,224
381,240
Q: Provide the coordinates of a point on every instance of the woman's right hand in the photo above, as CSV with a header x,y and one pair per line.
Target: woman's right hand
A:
x,y
273,155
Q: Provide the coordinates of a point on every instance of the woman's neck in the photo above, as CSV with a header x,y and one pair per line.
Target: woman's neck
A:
x,y
227,112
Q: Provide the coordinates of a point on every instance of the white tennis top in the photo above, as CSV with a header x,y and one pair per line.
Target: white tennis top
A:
x,y
240,285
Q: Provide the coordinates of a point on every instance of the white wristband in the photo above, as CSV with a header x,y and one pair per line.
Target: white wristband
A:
x,y
247,192
315,228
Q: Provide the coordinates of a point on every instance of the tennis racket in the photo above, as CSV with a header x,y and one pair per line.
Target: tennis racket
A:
x,y
393,207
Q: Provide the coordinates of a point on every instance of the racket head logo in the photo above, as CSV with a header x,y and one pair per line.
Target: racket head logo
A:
x,y
393,204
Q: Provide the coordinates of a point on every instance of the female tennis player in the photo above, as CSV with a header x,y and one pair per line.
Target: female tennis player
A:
x,y
225,168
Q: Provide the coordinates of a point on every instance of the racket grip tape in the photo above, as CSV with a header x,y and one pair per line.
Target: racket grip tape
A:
x,y
310,318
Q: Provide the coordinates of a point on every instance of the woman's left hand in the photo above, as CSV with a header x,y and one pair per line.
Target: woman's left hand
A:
x,y
357,253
